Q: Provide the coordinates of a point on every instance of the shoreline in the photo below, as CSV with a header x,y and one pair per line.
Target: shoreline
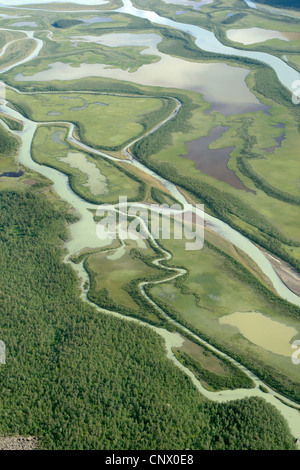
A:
x,y
288,275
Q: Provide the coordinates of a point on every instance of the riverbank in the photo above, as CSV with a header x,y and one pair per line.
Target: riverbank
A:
x,y
85,228
287,274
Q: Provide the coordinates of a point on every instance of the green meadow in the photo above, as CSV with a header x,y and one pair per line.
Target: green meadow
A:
x,y
215,17
114,277
88,173
103,121
219,281
17,51
213,372
8,36
113,270
215,286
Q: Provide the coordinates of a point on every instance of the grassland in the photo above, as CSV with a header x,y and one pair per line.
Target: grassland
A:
x,y
114,279
8,36
216,17
17,51
50,147
215,287
103,121
13,124
58,347
219,282
113,271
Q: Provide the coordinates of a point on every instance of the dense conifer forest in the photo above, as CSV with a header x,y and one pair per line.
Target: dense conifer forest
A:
x,y
79,379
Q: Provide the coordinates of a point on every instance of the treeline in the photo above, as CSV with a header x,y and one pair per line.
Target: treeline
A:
x,y
269,374
8,143
268,85
246,153
181,44
221,203
12,123
82,380
294,4
233,18
236,379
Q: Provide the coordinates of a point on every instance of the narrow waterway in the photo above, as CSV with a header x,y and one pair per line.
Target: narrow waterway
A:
x,y
207,41
83,234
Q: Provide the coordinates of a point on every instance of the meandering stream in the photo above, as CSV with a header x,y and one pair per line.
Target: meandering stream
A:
x,y
83,232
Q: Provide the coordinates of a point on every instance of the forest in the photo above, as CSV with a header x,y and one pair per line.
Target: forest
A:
x,y
79,379
294,4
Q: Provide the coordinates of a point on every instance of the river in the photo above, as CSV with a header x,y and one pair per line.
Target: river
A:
x,y
83,233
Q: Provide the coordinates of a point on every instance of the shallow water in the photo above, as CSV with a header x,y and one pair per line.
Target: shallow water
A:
x,y
83,235
148,41
56,137
96,182
96,19
12,174
32,24
189,3
255,35
207,41
220,84
213,162
263,331
54,113
279,141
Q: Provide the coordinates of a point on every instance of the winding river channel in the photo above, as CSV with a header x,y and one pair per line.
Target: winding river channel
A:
x,y
83,232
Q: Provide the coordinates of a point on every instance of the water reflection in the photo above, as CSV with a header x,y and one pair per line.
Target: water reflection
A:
x,y
213,162
96,19
254,35
189,3
221,84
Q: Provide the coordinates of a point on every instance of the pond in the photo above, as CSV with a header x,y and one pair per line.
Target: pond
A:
x,y
255,35
261,330
96,19
213,162
221,84
189,3
19,24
